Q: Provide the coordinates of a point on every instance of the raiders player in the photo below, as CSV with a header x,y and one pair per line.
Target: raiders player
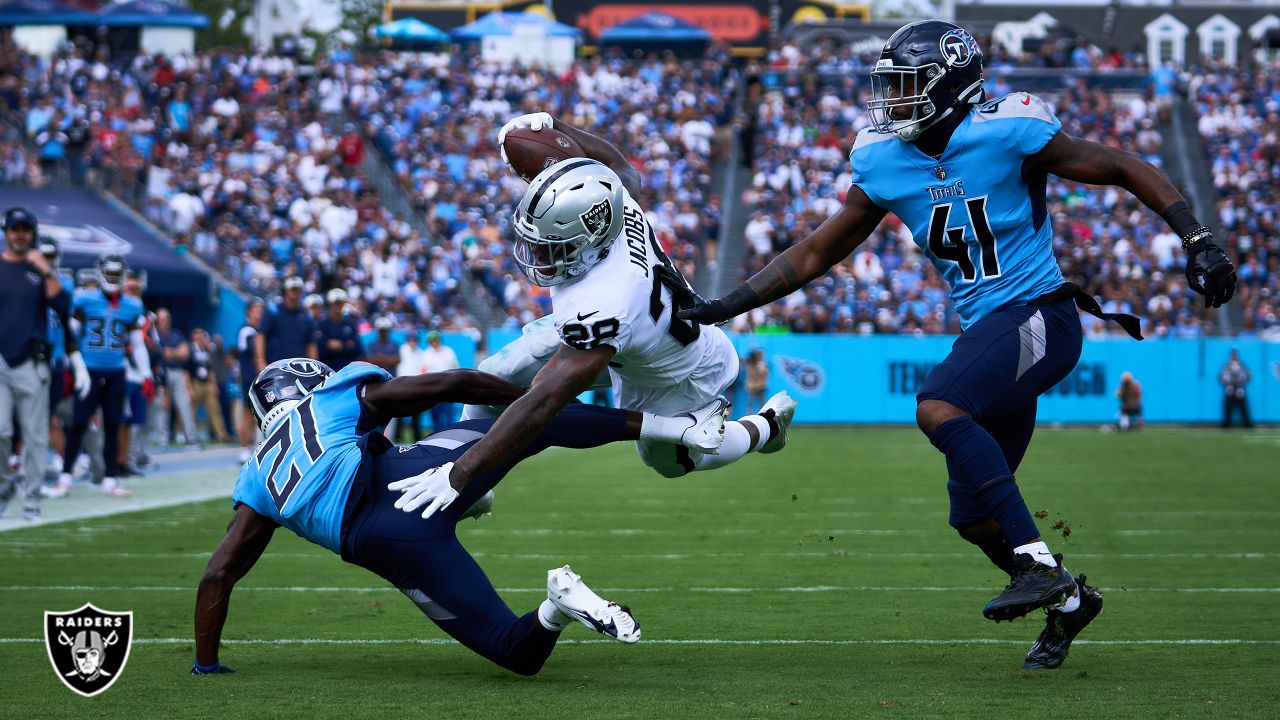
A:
x,y
615,295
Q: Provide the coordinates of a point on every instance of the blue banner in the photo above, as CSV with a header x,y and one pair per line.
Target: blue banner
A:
x,y
847,379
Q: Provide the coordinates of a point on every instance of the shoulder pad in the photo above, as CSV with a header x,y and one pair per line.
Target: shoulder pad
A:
x,y
1014,105
870,136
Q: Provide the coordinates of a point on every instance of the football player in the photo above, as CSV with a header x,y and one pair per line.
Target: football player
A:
x,y
108,325
614,295
968,176
326,472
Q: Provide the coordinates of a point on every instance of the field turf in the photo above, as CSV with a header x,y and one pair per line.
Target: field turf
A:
x,y
822,582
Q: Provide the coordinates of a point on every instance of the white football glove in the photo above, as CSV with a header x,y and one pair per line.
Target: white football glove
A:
x,y
80,375
431,487
533,121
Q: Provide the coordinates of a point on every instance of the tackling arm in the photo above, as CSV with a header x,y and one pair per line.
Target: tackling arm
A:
x,y
412,394
247,536
569,373
840,235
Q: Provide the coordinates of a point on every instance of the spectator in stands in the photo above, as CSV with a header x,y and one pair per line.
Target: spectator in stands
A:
x,y
412,362
246,349
314,304
288,332
176,352
382,351
337,339
203,372
1234,377
438,357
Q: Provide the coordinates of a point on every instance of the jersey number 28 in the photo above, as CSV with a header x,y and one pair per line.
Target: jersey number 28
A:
x,y
947,243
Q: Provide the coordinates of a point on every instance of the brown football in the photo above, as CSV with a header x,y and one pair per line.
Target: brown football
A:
x,y
529,152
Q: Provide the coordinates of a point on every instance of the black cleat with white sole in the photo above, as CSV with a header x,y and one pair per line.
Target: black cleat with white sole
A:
x,y
1034,585
1061,628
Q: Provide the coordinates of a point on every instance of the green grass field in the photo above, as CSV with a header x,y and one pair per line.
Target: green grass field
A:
x,y
822,582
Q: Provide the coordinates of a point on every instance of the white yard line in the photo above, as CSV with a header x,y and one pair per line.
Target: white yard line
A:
x,y
690,641
714,590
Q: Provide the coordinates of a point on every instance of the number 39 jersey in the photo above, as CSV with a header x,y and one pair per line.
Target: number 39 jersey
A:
x,y
301,474
629,300
982,224
105,327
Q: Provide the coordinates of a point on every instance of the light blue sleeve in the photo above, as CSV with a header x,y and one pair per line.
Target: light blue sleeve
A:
x,y
860,160
1036,122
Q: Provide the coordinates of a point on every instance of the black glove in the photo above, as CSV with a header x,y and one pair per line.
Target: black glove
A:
x,y
216,668
1210,273
705,312
715,312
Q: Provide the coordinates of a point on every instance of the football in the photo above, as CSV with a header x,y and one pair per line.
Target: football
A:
x,y
529,152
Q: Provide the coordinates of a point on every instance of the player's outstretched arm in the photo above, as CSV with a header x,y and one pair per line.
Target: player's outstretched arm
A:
x,y
1209,271
566,375
597,148
832,242
412,394
247,536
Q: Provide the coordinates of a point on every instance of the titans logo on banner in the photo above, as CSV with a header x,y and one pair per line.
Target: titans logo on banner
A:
x,y
805,374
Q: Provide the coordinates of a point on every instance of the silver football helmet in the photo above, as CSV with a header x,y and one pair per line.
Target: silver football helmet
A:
x,y
569,216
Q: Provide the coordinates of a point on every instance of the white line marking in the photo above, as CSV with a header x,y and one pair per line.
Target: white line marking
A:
x,y
674,641
834,553
717,590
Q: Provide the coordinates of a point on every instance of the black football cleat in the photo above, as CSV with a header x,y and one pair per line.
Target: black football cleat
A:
x,y
1034,585
1061,628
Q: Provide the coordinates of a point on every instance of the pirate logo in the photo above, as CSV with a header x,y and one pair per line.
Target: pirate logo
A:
x,y
88,647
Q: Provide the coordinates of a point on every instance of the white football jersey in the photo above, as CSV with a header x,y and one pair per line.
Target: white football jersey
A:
x,y
663,364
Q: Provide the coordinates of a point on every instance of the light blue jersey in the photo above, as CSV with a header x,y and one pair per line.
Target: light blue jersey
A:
x,y
983,226
301,474
105,327
57,332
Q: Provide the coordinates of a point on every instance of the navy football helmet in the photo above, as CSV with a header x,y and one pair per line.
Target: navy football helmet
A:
x,y
48,247
110,272
928,70
282,385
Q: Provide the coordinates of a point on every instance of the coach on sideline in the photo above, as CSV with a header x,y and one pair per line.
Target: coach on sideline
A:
x,y
287,332
29,288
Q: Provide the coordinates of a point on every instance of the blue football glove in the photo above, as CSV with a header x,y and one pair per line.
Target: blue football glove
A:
x,y
216,668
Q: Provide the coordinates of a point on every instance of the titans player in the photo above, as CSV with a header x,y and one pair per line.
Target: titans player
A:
x,y
108,325
968,178
326,472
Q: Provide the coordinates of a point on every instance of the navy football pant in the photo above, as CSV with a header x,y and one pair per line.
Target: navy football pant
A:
x,y
995,372
424,558
106,391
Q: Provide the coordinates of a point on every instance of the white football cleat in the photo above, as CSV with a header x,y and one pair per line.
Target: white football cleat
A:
x,y
483,506
573,598
784,410
113,488
707,432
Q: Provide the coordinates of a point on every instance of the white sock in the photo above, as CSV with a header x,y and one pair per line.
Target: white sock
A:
x,y
1038,551
737,442
109,483
1071,604
550,617
762,429
64,478
666,429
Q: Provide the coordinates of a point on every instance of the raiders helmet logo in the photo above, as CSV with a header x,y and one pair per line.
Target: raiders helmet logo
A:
x,y
598,218
958,47
88,647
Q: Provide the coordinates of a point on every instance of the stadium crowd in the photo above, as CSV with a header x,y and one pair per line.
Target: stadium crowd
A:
x,y
1239,111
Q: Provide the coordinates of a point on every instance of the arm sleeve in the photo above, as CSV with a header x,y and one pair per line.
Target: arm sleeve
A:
x,y
138,352
861,166
61,303
1036,122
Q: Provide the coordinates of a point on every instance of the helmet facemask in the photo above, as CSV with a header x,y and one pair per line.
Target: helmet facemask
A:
x,y
567,219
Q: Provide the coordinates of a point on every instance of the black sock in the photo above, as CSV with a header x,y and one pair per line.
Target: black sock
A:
x,y
999,552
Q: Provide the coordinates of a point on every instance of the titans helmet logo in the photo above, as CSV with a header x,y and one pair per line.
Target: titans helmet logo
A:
x,y
958,47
